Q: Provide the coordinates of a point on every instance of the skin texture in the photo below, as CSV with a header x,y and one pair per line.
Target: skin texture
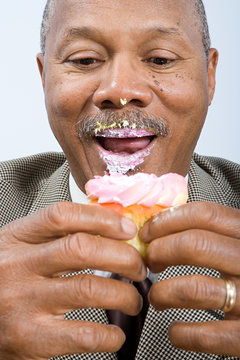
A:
x,y
185,236
179,91
59,239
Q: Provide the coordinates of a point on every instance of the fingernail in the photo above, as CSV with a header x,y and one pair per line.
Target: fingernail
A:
x,y
114,327
170,209
117,329
128,226
156,216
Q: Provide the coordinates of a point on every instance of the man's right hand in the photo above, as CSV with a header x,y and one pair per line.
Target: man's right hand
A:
x,y
34,251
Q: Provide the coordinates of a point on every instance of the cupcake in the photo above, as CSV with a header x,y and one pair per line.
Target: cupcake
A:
x,y
138,196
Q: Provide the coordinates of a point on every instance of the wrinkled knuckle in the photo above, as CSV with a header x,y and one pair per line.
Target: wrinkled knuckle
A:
x,y
206,211
78,245
201,244
189,243
84,246
55,214
193,290
180,244
84,287
211,213
89,338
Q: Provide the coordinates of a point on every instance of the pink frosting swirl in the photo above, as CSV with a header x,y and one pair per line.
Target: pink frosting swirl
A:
x,y
143,189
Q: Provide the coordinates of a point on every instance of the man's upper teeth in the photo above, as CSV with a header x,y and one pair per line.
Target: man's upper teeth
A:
x,y
124,133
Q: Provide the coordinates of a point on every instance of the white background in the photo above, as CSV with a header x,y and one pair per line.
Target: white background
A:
x,y
24,125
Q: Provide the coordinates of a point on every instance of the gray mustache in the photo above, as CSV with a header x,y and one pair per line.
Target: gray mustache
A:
x,y
87,126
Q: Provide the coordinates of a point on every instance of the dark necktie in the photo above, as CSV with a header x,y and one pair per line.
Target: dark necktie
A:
x,y
131,325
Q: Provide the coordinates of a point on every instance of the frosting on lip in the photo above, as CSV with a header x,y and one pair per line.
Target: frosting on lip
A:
x,y
143,189
124,133
123,162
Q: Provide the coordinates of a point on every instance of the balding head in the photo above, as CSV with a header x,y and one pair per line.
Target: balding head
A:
x,y
200,15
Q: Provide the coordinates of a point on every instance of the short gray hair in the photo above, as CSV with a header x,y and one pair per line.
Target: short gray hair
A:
x,y
46,23
206,40
200,10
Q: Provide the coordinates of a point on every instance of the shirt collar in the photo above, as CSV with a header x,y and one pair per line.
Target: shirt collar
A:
x,y
76,193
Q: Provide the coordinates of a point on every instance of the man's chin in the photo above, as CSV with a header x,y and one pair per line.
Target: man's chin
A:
x,y
108,163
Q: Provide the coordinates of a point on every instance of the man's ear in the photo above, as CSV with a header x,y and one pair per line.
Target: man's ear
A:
x,y
40,62
212,66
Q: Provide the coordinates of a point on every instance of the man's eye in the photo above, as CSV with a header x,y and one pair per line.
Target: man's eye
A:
x,y
84,61
159,61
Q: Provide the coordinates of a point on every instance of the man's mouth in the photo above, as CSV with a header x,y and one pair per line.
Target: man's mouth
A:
x,y
124,149
122,140
125,145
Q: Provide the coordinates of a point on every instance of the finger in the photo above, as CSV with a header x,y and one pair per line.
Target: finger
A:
x,y
195,247
64,337
80,251
197,215
84,291
66,218
220,337
192,292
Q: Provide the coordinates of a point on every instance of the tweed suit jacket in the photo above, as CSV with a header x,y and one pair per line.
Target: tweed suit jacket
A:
x,y
31,183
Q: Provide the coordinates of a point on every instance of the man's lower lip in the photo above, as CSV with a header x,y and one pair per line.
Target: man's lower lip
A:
x,y
123,162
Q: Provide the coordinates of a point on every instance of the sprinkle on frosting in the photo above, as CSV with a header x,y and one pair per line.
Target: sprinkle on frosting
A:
x,y
141,188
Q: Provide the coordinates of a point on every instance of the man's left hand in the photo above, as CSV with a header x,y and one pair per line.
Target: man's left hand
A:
x,y
206,235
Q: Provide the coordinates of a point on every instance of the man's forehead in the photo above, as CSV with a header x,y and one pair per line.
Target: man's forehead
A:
x,y
127,6
125,10
122,19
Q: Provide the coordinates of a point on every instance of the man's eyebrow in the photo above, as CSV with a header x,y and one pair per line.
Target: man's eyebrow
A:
x,y
76,32
164,30
90,32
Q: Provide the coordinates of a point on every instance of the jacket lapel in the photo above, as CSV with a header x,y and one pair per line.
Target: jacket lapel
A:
x,y
207,183
55,189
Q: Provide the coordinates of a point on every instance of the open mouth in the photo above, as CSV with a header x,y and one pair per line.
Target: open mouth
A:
x,y
124,149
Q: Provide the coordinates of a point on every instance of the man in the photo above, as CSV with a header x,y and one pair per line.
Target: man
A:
x,y
142,64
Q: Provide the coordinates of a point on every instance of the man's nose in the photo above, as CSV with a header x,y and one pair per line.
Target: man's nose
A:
x,y
122,80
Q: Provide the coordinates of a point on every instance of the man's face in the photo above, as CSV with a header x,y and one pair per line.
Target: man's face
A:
x,y
147,52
